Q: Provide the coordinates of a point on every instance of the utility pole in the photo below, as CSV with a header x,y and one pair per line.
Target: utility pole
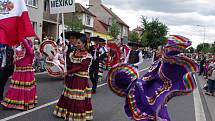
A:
x,y
204,32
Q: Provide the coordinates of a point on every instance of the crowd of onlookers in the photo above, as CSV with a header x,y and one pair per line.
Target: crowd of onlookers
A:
x,y
207,70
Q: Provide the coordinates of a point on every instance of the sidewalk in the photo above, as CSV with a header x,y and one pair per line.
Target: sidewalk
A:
x,y
210,100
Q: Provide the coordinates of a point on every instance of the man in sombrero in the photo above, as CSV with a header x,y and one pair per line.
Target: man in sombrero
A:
x,y
135,56
72,37
147,97
99,54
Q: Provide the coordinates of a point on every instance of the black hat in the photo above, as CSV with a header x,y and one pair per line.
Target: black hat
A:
x,y
135,44
68,34
97,39
83,37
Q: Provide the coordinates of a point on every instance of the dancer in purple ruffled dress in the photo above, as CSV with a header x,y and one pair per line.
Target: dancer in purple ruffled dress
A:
x,y
147,96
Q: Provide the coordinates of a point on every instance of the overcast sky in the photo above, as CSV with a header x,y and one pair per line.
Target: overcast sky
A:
x,y
181,16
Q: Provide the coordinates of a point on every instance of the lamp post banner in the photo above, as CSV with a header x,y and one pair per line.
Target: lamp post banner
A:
x,y
62,6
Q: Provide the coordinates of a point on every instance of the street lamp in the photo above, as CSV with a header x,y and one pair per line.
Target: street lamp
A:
x,y
204,29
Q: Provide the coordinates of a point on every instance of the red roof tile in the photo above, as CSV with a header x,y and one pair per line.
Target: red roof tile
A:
x,y
82,9
100,26
114,15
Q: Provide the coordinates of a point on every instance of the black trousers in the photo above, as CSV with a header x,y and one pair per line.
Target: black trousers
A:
x,y
93,72
201,70
4,76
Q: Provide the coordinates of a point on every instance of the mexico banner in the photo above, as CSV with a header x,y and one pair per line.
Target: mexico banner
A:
x,y
62,6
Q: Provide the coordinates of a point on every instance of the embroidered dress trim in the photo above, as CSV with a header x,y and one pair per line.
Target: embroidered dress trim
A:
x,y
24,69
19,104
61,112
77,94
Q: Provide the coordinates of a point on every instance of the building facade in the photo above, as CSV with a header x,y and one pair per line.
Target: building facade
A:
x,y
48,25
50,22
83,15
107,15
35,9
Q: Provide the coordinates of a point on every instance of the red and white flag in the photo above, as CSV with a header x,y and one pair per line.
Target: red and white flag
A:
x,y
15,23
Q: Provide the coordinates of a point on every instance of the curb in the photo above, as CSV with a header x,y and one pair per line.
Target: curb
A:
x,y
204,101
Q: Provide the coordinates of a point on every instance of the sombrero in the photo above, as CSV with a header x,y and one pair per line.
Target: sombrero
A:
x,y
121,77
135,44
68,34
97,39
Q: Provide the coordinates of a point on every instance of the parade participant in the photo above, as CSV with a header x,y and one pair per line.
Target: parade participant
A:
x,y
94,68
22,90
134,56
156,54
75,101
124,50
72,37
6,66
146,98
113,53
102,57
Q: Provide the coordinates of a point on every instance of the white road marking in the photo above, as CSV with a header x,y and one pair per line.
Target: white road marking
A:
x,y
37,108
45,72
199,110
29,111
143,69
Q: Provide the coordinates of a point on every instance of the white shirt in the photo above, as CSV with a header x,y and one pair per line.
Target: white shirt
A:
x,y
140,58
4,57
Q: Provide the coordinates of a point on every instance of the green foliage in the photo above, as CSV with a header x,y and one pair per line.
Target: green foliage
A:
x,y
114,30
203,47
73,22
154,32
189,50
212,49
134,36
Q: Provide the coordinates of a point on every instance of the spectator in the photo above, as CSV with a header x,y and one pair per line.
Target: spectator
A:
x,y
202,62
211,80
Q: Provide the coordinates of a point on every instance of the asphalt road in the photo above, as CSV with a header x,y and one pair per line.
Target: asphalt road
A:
x,y
106,105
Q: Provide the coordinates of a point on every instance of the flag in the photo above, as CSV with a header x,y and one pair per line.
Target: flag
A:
x,y
15,23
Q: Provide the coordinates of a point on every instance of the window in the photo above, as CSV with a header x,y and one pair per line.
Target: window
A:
x,y
34,24
46,5
124,30
31,2
88,20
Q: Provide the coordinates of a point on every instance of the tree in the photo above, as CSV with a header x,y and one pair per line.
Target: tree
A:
x,y
154,32
190,50
203,47
133,36
114,29
212,49
73,22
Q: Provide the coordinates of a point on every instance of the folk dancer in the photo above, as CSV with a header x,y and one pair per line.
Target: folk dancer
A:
x,y
22,92
72,37
97,58
124,50
102,55
147,97
75,101
134,56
